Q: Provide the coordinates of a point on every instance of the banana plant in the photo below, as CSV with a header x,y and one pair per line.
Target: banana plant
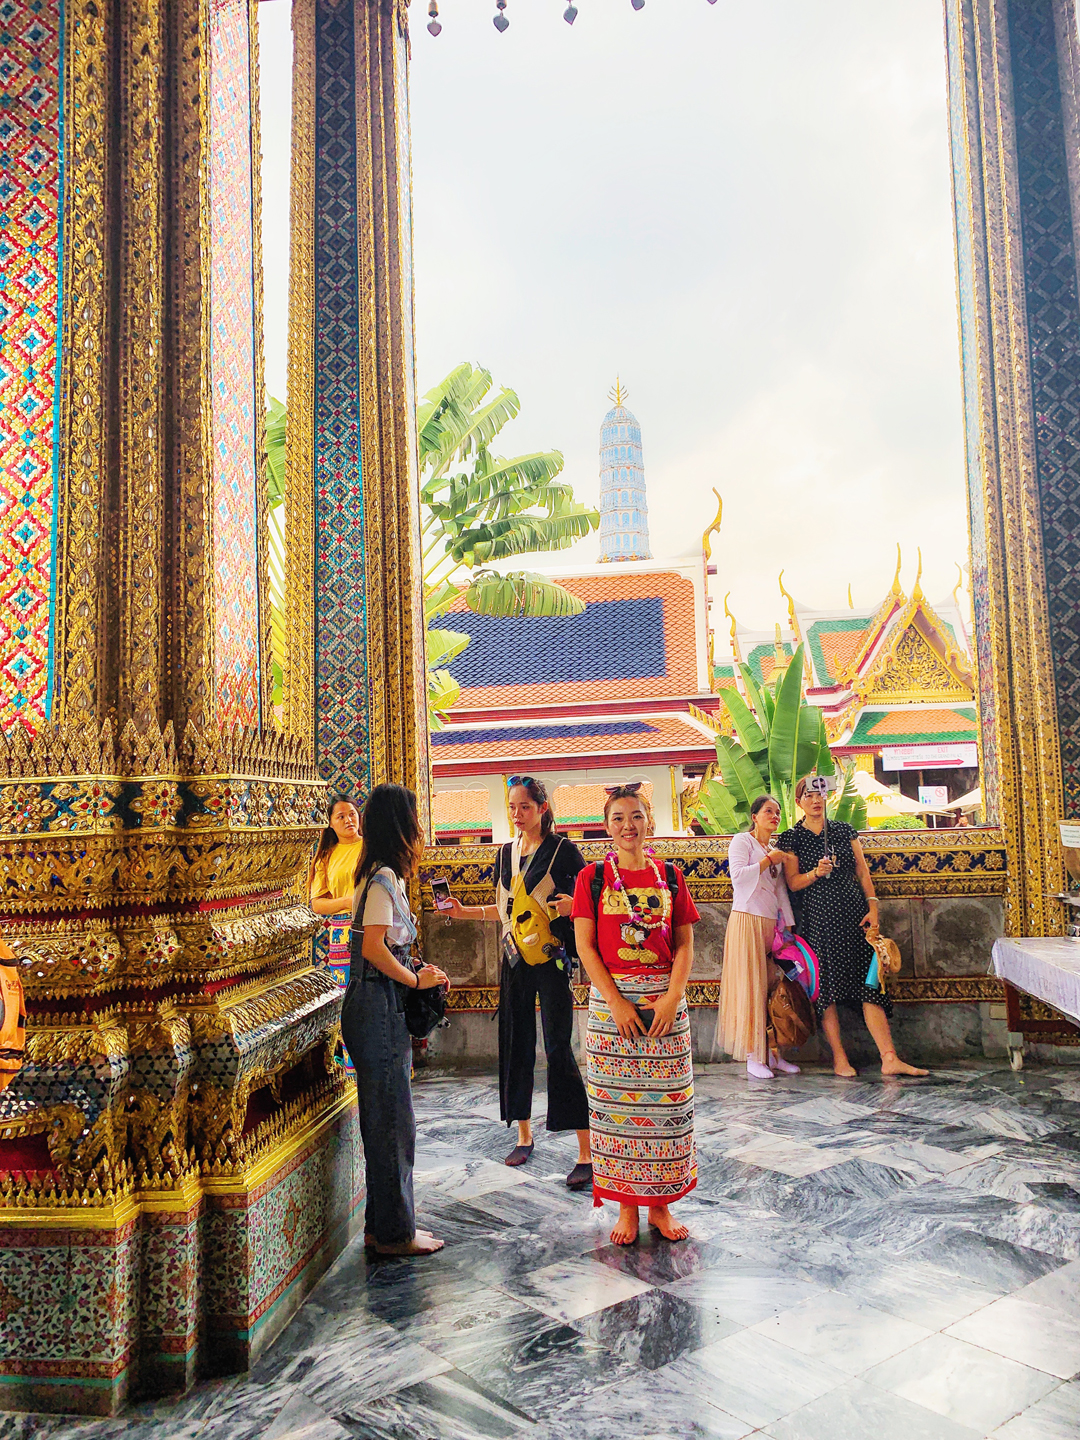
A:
x,y
779,738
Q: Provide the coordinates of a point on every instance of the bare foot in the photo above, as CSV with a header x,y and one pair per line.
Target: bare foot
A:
x,y
660,1217
369,1239
420,1244
844,1068
626,1227
891,1064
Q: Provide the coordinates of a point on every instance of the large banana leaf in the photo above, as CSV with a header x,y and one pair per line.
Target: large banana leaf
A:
x,y
792,726
438,599
443,693
740,775
756,695
519,593
444,646
751,736
845,803
714,811
522,535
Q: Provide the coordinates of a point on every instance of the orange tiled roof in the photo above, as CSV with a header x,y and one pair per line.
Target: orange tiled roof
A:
x,y
926,722
461,810
539,740
647,649
584,804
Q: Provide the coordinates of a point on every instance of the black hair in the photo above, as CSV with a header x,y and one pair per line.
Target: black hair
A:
x,y
759,802
391,830
328,839
537,793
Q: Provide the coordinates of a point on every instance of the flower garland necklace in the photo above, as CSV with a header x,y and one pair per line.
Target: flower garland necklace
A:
x,y
637,931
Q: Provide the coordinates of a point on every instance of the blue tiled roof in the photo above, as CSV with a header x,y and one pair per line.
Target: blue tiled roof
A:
x,y
590,729
612,640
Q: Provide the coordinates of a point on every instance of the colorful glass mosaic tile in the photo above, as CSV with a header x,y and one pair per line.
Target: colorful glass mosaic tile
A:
x,y
31,182
1053,311
232,367
340,614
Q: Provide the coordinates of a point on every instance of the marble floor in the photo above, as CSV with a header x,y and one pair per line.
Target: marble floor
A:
x,y
897,1260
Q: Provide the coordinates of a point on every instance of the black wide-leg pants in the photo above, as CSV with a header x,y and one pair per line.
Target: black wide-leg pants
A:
x,y
568,1105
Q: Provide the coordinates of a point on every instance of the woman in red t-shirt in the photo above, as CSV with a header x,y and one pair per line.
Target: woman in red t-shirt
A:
x,y
634,925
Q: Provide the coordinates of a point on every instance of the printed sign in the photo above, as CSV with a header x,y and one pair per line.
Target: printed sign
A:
x,y
1070,833
935,797
929,757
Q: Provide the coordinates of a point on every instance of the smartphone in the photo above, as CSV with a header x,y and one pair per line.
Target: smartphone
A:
x,y
440,890
647,1016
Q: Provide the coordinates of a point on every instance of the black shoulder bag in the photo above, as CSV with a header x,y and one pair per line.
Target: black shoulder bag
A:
x,y
424,1010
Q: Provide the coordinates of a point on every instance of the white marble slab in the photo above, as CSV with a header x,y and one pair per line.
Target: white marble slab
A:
x,y
745,1293
1055,1418
300,1419
963,1382
481,1178
1037,1335
755,1379
784,1155
827,1111
920,1293
1060,1290
847,1334
857,1411
569,1290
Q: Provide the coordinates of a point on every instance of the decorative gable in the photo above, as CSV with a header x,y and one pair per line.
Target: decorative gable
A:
x,y
911,669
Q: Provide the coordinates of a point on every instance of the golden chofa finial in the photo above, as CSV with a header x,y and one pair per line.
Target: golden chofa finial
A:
x,y
730,617
896,578
850,601
959,583
917,593
714,528
618,392
790,602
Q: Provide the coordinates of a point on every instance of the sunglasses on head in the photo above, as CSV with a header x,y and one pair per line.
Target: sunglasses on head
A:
x,y
624,791
512,780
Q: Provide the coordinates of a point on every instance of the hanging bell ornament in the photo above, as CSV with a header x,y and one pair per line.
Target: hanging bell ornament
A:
x,y
434,28
570,14
500,21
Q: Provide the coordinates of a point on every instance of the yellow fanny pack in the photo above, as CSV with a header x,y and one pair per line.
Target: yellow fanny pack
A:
x,y
530,918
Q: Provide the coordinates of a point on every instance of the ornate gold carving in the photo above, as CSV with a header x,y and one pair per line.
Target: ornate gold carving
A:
x,y
916,672
79,561
299,694
141,511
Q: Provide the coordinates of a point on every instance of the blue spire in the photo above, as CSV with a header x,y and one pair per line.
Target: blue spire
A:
x,y
624,510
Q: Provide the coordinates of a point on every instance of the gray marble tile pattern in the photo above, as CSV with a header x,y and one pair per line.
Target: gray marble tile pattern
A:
x,y
874,1260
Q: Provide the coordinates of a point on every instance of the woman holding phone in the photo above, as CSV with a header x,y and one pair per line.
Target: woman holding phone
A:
x,y
534,880
826,863
635,936
373,1018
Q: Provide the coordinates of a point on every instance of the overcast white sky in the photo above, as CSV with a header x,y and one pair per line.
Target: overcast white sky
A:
x,y
742,210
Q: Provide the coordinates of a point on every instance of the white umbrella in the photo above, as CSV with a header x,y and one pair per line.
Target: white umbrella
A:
x,y
881,801
971,801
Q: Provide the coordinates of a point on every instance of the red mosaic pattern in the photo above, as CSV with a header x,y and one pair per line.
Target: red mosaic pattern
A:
x,y
29,298
232,367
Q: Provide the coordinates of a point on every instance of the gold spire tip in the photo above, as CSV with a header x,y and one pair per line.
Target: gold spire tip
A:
x,y
618,392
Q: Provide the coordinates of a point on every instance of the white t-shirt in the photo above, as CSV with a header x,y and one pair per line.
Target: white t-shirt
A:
x,y
379,907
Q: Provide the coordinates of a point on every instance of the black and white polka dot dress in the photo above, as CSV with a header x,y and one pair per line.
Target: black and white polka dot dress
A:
x,y
830,917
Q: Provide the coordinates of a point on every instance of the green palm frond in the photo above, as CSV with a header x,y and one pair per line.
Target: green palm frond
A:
x,y
519,593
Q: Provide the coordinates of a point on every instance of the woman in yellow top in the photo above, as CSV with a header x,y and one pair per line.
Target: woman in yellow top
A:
x,y
332,882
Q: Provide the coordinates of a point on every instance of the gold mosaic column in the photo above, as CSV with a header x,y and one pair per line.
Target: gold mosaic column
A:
x,y
355,678
177,1158
1013,89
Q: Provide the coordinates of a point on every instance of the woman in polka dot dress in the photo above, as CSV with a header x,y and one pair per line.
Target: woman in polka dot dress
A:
x,y
838,906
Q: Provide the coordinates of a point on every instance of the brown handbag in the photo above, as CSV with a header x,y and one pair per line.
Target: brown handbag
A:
x,y
791,1016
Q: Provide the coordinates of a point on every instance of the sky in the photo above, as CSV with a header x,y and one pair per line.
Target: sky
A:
x,y
744,212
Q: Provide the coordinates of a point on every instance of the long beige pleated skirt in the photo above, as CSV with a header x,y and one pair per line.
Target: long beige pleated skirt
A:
x,y
744,986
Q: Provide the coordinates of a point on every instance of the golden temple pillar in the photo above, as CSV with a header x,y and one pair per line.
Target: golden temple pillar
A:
x,y
1014,79
178,1158
355,683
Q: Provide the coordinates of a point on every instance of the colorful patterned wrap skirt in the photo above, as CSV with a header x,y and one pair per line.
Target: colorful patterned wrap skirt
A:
x,y
641,1103
338,964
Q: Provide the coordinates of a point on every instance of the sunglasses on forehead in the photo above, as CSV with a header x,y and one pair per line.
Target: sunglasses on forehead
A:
x,y
624,791
512,780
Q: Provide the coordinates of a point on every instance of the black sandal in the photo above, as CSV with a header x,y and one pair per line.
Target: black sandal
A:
x,y
519,1154
580,1176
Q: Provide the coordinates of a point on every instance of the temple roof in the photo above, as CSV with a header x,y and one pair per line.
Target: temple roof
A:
x,y
638,637
915,725
460,810
661,739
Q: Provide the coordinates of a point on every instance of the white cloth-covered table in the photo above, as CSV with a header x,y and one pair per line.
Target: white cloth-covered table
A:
x,y
1047,968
